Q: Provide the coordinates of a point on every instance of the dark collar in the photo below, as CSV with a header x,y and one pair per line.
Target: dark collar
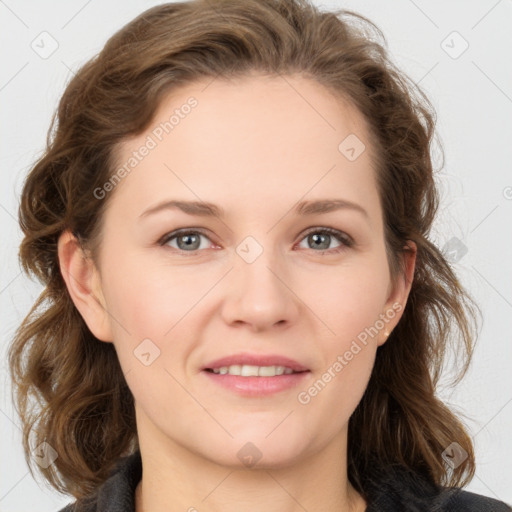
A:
x,y
397,489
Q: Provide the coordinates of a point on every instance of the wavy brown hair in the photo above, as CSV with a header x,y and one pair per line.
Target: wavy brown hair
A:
x,y
69,388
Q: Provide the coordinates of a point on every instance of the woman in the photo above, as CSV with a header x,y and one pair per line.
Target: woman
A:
x,y
242,308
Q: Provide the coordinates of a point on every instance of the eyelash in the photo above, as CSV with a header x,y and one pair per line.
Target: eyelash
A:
x,y
345,240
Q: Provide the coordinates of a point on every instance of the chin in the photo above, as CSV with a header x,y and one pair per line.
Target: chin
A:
x,y
255,450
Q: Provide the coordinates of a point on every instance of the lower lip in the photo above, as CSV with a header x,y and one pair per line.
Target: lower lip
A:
x,y
257,386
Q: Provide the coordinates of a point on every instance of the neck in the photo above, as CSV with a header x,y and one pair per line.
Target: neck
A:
x,y
175,478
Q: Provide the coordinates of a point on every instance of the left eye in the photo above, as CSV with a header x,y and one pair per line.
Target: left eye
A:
x,y
320,238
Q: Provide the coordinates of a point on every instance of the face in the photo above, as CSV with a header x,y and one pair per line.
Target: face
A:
x,y
262,277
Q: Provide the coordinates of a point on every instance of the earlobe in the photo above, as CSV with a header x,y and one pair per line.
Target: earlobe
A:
x,y
84,286
395,305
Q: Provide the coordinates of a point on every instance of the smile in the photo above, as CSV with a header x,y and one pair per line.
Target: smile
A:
x,y
247,370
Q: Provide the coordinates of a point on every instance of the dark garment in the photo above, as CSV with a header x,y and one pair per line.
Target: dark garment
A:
x,y
398,490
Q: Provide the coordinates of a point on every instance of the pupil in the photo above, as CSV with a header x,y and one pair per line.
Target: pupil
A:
x,y
317,238
190,240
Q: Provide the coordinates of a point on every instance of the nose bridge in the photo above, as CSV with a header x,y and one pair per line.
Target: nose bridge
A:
x,y
259,295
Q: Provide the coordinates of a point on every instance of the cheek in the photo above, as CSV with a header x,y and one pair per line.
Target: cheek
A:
x,y
148,306
349,302
348,358
155,314
150,298
337,392
347,299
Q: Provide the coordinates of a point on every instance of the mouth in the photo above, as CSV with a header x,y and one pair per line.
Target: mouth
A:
x,y
247,370
256,375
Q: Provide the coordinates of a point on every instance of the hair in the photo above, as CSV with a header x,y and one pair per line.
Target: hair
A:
x,y
68,387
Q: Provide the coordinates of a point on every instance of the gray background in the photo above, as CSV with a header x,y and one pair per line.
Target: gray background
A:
x,y
472,92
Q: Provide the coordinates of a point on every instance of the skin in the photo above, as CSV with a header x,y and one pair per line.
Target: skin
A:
x,y
255,147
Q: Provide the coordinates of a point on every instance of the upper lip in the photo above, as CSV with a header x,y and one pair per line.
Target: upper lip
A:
x,y
256,360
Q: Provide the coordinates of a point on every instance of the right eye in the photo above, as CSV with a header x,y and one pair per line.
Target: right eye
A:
x,y
187,240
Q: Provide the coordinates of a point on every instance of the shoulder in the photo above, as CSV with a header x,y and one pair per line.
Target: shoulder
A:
x,y
399,489
67,508
466,501
117,493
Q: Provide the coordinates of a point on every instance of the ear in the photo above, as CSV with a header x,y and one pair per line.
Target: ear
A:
x,y
399,292
84,285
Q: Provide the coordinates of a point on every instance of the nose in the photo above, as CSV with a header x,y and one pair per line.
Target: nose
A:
x,y
259,295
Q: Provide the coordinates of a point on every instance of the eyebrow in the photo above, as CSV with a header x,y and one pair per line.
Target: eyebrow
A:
x,y
205,209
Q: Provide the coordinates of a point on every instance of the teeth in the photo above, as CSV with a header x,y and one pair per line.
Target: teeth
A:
x,y
247,370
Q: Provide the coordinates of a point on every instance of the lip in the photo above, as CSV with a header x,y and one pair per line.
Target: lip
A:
x,y
256,386
256,360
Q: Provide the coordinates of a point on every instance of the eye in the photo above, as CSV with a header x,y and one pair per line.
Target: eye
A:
x,y
186,240
320,238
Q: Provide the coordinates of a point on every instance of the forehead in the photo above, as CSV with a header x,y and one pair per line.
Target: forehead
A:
x,y
253,140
